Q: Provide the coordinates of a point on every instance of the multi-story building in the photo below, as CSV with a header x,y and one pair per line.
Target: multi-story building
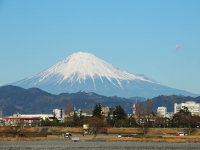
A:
x,y
192,106
58,113
162,111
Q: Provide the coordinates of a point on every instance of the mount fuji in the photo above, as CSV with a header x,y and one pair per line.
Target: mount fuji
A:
x,y
85,72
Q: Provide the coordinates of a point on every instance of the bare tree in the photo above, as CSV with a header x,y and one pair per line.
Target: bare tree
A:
x,y
139,109
148,108
17,130
143,115
97,125
68,108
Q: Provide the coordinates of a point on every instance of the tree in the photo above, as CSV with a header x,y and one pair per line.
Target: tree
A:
x,y
148,108
17,130
68,108
77,122
160,122
139,109
182,118
97,111
110,120
130,122
97,125
119,116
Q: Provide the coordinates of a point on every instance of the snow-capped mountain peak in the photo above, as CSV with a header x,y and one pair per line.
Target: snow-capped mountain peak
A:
x,y
85,72
80,66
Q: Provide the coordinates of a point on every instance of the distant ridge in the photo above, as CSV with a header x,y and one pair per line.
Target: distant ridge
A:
x,y
15,99
85,72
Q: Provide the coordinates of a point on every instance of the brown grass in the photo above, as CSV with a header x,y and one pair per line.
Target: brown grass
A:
x,y
157,134
157,131
22,138
169,139
57,129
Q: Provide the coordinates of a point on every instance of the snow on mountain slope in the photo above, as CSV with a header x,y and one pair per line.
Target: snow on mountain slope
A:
x,y
80,66
85,72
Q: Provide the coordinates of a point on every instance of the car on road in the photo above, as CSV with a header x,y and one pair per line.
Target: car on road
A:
x,y
180,134
119,135
67,135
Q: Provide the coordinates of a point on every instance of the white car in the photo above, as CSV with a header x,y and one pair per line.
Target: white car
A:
x,y
181,134
119,135
67,135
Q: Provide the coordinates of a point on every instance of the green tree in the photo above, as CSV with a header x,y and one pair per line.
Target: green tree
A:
x,y
182,118
119,116
97,111
109,119
130,122
76,120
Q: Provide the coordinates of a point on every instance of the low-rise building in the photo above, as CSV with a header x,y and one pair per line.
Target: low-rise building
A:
x,y
162,111
105,111
32,119
12,121
26,119
42,116
192,106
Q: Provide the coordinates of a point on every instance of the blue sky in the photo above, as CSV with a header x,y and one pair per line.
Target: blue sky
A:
x,y
160,39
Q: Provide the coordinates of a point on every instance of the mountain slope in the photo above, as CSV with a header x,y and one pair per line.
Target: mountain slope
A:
x,y
14,99
85,72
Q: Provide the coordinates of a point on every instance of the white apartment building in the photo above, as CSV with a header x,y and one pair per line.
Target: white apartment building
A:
x,y
192,106
58,114
162,111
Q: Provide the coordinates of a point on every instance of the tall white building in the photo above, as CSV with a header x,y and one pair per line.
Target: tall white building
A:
x,y
58,114
162,111
192,106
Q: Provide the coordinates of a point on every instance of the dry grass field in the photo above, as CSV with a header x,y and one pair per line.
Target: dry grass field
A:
x,y
72,130
157,131
168,139
153,134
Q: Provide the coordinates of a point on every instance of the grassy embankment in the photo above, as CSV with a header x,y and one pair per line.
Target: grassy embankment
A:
x,y
153,134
